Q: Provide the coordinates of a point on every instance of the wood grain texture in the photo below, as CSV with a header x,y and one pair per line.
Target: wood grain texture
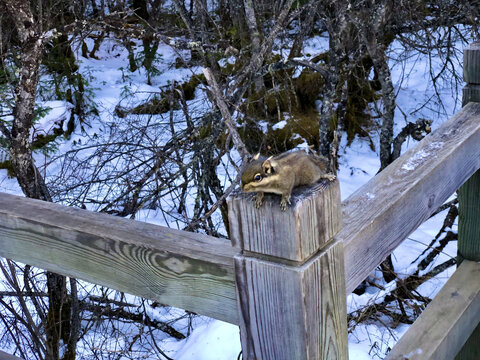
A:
x,y
291,309
271,325
383,212
469,197
294,234
325,305
470,93
293,312
447,322
471,63
469,219
182,269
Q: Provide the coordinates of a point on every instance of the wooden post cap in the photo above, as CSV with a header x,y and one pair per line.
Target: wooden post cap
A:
x,y
312,219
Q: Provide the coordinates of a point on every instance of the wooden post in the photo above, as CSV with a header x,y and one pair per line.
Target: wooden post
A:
x,y
471,73
290,276
469,194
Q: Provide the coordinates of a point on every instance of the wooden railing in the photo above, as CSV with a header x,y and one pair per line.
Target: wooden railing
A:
x,y
285,280
187,270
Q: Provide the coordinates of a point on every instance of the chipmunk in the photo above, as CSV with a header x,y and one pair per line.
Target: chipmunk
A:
x,y
280,174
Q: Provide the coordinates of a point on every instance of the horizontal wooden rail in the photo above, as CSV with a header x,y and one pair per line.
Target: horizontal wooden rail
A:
x,y
178,268
445,325
383,212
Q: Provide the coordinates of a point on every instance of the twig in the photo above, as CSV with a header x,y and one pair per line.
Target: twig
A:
x,y
227,116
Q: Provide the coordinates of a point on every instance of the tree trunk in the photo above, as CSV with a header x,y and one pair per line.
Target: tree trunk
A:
x,y
370,31
27,174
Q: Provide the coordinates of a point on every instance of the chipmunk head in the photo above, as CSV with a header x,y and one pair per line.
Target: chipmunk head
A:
x,y
254,175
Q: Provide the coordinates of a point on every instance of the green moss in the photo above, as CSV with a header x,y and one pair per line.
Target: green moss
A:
x,y
3,75
252,135
179,63
205,131
293,100
7,165
271,102
237,37
301,127
43,140
279,101
322,57
308,87
59,56
357,120
162,103
284,98
156,105
229,69
190,86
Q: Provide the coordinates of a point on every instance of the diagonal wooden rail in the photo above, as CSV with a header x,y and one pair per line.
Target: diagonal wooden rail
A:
x,y
383,212
442,329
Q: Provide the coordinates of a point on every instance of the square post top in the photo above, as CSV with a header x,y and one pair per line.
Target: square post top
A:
x,y
313,218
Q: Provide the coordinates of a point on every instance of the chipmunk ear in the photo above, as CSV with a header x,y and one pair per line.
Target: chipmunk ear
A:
x,y
268,166
256,156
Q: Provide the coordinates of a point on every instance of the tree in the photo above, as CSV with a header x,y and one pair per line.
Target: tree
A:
x,y
31,41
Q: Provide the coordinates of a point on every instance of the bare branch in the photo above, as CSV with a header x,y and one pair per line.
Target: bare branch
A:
x,y
227,117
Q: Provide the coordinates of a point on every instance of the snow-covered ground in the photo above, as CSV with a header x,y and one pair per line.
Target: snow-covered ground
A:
x,y
212,339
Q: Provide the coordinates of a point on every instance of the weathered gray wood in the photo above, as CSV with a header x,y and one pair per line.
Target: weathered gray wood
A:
x,y
469,218
471,73
6,356
325,305
187,270
292,312
471,349
447,322
469,196
471,64
469,193
471,93
291,309
296,234
383,212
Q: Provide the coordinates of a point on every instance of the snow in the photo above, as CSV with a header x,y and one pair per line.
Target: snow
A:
x,y
215,340
315,45
279,125
57,110
422,155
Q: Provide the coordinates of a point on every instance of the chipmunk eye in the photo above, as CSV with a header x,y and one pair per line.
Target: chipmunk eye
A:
x,y
258,177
